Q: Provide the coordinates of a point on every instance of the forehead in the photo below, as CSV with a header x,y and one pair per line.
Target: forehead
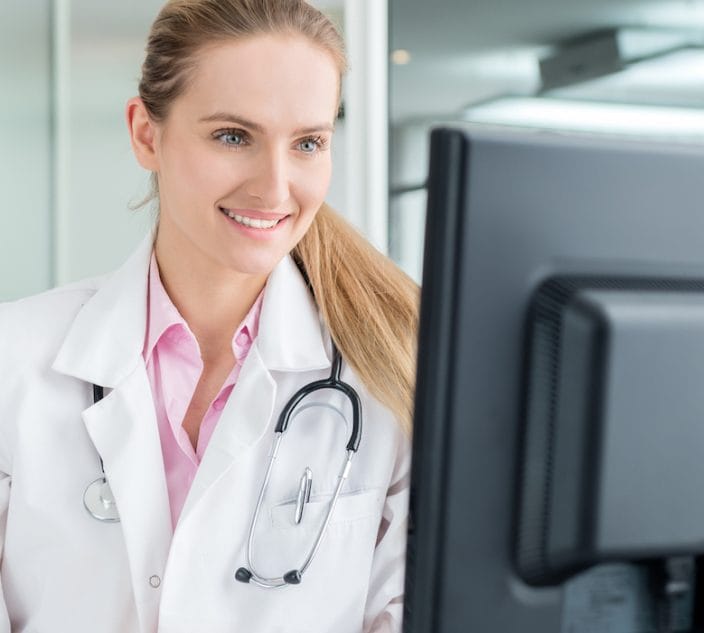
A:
x,y
270,79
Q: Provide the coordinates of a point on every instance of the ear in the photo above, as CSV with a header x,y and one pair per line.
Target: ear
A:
x,y
143,134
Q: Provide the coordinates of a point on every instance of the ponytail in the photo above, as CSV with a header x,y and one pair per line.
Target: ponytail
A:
x,y
369,305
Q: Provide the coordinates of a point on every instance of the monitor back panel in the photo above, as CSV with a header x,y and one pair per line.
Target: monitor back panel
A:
x,y
505,211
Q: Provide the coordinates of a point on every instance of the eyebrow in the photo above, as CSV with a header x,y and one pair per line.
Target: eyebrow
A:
x,y
226,117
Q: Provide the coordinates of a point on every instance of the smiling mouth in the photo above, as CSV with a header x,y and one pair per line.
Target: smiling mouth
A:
x,y
252,223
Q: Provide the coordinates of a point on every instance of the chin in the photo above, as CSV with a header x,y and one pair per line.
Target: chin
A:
x,y
259,266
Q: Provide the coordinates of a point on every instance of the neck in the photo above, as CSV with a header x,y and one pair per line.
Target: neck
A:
x,y
213,299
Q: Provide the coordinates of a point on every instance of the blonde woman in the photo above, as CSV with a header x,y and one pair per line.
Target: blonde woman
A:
x,y
138,412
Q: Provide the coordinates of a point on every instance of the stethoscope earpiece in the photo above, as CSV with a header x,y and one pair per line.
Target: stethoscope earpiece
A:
x,y
243,575
293,577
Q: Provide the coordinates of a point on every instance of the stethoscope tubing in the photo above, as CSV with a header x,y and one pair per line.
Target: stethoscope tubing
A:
x,y
248,574
98,499
331,382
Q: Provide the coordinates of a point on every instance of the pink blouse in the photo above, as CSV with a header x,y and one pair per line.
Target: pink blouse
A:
x,y
174,366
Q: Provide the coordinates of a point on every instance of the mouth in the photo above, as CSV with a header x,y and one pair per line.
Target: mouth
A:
x,y
261,223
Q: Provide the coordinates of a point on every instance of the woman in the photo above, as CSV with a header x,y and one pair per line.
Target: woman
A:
x,y
170,374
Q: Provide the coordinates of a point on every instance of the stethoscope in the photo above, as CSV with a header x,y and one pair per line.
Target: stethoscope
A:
x,y
100,502
98,498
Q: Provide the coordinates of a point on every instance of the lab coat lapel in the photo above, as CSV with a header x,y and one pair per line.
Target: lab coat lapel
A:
x,y
104,347
290,339
124,431
105,341
291,335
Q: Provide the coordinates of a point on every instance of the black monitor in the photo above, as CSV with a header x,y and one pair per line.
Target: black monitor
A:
x,y
558,457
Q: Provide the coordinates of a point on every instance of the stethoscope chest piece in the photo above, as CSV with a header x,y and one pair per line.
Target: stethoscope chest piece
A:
x,y
100,502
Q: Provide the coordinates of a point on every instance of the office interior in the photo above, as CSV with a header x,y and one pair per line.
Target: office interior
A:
x,y
73,190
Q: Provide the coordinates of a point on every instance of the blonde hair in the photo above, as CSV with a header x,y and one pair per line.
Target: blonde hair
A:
x,y
368,304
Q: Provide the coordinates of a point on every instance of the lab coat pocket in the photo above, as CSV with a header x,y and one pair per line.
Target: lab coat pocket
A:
x,y
283,545
350,507
344,554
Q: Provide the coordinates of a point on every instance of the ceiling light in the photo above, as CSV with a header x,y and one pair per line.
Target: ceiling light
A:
x,y
400,57
667,123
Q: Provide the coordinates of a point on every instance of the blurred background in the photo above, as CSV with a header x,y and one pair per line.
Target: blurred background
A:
x,y
68,178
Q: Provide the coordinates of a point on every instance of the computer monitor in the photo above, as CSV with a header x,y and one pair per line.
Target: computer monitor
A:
x,y
557,481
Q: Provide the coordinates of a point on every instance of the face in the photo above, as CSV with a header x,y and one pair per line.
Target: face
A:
x,y
243,158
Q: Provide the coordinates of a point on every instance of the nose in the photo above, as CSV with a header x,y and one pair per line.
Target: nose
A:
x,y
269,181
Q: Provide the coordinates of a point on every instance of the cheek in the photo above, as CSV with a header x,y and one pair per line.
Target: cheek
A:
x,y
195,171
310,189
314,187
207,174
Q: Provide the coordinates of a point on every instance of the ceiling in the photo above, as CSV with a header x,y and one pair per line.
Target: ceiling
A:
x,y
464,51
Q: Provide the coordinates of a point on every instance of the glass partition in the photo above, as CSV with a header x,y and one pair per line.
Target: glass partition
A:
x,y
25,147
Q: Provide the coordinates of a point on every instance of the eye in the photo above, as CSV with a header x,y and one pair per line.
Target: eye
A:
x,y
232,138
312,144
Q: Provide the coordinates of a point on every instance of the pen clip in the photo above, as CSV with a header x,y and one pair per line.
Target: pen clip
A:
x,y
303,494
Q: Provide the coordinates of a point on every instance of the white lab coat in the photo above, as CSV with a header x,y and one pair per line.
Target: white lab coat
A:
x,y
64,571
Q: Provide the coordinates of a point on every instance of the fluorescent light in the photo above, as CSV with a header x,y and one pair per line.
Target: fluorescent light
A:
x,y
636,43
677,124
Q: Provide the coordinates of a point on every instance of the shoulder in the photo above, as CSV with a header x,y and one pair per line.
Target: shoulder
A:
x,y
48,307
37,324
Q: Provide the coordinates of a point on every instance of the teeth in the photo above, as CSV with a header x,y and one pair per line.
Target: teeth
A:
x,y
252,222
